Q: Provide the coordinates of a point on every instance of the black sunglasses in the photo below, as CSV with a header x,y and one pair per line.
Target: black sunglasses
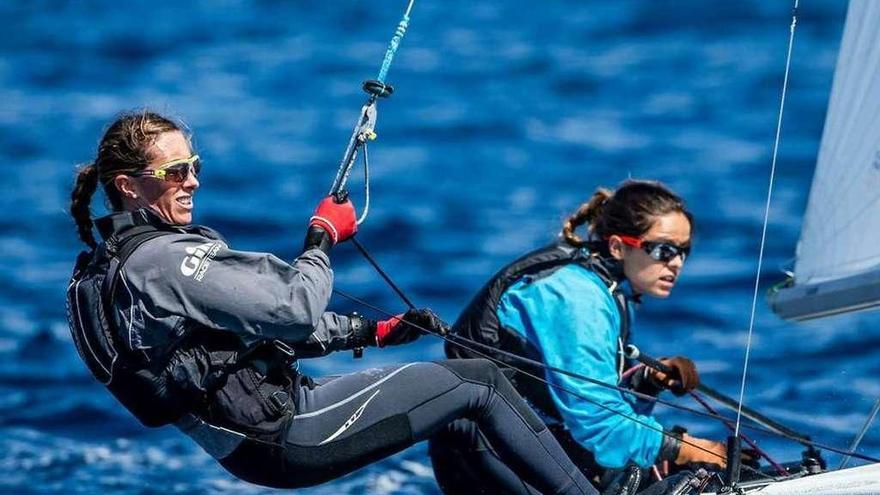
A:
x,y
658,250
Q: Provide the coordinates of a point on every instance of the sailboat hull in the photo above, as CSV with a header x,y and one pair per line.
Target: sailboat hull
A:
x,y
803,302
861,480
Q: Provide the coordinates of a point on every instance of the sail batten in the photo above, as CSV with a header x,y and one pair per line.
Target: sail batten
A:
x,y
838,254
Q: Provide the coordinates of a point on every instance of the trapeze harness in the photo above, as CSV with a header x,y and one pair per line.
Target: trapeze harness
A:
x,y
213,376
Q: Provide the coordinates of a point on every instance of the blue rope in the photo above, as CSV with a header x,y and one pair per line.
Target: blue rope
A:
x,y
392,47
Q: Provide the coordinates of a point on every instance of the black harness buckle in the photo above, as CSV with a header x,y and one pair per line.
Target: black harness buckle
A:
x,y
287,352
278,401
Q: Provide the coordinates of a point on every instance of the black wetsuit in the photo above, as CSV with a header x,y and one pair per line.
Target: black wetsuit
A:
x,y
344,423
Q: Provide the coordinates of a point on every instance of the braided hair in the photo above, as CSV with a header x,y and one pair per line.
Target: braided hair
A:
x,y
124,149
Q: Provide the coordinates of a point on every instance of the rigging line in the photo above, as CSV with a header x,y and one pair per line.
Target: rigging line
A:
x,y
524,360
761,452
485,347
861,435
632,351
527,361
409,8
556,386
366,210
364,129
742,389
381,273
395,42
471,344
466,343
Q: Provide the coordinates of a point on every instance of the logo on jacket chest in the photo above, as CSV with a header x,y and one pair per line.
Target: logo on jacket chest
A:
x,y
198,258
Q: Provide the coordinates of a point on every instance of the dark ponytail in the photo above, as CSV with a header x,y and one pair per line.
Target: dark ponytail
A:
x,y
80,203
631,210
585,214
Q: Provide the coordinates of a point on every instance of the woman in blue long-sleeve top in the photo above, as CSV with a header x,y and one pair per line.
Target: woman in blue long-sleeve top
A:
x,y
569,305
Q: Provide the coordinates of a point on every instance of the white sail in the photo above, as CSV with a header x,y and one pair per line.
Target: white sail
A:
x,y
838,256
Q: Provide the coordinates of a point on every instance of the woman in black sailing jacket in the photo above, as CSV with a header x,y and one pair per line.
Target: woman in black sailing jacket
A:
x,y
185,330
568,306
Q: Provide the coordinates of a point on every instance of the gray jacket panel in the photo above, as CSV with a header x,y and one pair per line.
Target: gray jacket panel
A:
x,y
182,278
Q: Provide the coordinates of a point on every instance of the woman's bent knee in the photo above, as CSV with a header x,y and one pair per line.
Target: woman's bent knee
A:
x,y
475,370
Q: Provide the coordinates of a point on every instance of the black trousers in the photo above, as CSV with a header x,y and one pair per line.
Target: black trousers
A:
x,y
466,463
342,424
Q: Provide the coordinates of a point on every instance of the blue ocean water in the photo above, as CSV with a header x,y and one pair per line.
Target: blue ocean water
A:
x,y
506,116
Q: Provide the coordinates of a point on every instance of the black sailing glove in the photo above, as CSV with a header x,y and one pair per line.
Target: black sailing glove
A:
x,y
407,327
642,383
318,238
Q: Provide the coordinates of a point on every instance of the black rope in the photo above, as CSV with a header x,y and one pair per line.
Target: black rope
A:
x,y
556,386
465,343
382,273
469,344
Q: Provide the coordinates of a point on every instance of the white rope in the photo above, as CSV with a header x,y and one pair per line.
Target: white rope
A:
x,y
366,209
742,389
855,444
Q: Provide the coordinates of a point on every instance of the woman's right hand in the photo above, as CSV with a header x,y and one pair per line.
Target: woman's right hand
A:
x,y
407,327
339,220
701,451
684,375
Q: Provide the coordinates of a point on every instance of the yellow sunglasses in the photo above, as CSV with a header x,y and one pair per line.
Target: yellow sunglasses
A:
x,y
175,170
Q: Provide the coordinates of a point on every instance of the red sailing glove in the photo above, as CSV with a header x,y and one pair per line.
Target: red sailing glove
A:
x,y
337,219
397,330
684,375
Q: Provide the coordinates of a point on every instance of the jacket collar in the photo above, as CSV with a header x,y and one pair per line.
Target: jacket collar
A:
x,y
610,270
122,220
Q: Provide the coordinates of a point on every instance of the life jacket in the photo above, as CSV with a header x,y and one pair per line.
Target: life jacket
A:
x,y
479,321
205,372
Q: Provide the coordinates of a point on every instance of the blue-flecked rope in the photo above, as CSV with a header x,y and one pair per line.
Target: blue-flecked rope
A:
x,y
395,42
